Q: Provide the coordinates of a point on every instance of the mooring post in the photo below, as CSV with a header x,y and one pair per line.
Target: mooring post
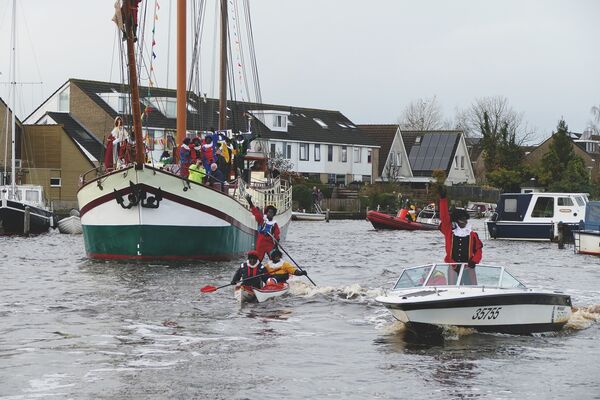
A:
x,y
26,220
327,215
561,236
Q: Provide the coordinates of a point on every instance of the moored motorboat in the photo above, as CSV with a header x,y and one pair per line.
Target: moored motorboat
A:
x,y
536,216
249,294
486,298
304,216
71,224
587,236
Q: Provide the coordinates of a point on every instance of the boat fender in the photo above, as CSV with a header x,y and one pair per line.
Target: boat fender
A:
x,y
494,232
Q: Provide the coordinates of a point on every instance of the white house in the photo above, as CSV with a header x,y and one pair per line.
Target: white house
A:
x,y
412,156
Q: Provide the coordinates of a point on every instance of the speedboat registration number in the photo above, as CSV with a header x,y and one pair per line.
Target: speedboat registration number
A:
x,y
487,313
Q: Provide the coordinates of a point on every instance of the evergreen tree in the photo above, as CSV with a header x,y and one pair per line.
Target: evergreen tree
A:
x,y
561,169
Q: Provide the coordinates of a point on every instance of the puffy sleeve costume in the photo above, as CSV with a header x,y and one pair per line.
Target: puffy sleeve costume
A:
x,y
266,228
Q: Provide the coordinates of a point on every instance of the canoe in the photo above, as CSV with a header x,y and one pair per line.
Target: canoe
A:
x,y
385,221
248,294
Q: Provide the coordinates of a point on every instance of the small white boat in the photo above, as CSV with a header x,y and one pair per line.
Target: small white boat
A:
x,y
71,225
486,298
304,216
587,237
248,294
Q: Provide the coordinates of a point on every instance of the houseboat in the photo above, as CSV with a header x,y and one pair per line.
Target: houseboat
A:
x,y
536,216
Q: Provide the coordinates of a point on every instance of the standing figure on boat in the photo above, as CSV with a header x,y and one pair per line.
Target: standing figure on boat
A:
x,y
120,153
185,158
462,243
251,272
281,270
267,228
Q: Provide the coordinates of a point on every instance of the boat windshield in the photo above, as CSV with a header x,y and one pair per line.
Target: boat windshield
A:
x,y
457,275
413,277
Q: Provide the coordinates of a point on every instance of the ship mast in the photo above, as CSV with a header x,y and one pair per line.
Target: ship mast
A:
x,y
223,69
181,60
133,84
13,84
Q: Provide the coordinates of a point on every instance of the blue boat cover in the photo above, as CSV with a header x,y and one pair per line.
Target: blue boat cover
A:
x,y
592,215
506,206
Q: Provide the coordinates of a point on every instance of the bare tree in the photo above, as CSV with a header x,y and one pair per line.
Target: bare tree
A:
x,y
423,115
594,125
500,116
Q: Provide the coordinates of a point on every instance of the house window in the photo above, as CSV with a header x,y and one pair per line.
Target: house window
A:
x,y
369,155
304,151
399,159
63,101
288,151
462,162
344,154
455,162
273,150
55,182
279,121
357,151
122,105
329,152
317,152
320,122
330,178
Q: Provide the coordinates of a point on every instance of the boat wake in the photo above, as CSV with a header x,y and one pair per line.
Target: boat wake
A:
x,y
583,317
354,292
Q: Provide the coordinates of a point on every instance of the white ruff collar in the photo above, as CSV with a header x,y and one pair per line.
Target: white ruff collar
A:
x,y
252,266
277,265
266,220
462,232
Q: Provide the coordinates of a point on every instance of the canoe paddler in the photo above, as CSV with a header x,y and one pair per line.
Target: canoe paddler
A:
x,y
252,272
281,270
267,227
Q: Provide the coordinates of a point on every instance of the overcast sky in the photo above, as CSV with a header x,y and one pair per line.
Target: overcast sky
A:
x,y
367,59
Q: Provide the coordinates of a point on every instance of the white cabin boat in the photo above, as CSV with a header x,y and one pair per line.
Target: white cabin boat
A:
x,y
587,237
486,298
536,216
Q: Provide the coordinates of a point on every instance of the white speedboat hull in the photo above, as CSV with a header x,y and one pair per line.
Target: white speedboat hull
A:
x,y
487,313
486,298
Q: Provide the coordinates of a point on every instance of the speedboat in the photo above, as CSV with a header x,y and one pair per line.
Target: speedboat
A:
x,y
486,298
249,294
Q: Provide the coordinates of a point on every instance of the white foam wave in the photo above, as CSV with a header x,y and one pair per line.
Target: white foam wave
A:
x,y
349,292
583,317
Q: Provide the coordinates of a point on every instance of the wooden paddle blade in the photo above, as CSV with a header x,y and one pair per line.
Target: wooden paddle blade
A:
x,y
208,289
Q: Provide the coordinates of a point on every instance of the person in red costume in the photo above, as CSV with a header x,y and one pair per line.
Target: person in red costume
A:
x,y
267,228
462,243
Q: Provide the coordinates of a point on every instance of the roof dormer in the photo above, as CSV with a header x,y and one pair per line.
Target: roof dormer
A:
x,y
275,120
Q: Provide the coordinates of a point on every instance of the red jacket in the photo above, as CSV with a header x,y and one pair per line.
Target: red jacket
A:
x,y
264,242
475,244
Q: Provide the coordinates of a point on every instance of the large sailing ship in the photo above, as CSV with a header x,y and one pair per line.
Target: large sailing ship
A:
x,y
144,212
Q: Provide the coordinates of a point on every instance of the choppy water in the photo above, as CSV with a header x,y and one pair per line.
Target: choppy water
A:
x,y
73,328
